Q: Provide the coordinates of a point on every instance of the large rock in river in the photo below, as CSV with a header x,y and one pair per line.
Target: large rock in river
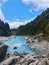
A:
x,y
3,49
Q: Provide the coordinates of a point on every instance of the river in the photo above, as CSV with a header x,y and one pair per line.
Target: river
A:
x,y
20,43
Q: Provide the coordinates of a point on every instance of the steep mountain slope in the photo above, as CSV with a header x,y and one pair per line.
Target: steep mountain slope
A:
x,y
4,29
38,25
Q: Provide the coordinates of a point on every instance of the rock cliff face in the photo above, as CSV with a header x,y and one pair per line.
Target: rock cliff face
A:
x,y
3,49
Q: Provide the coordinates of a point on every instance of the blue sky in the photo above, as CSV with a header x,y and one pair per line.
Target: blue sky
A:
x,y
19,12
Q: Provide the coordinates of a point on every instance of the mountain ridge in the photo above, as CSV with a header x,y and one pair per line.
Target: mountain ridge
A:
x,y
4,28
38,25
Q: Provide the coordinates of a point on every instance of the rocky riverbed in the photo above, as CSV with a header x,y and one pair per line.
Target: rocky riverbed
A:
x,y
21,58
38,42
3,38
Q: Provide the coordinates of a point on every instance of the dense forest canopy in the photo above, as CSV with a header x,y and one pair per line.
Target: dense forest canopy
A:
x,y
4,29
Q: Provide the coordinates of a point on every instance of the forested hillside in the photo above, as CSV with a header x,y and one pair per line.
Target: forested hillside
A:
x,y
38,25
4,29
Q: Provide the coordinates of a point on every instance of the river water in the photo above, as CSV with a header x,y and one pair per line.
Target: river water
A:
x,y
21,43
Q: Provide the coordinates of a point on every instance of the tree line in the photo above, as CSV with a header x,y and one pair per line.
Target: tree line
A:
x,y
4,29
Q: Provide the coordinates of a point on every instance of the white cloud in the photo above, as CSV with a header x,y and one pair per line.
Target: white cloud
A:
x,y
30,10
16,23
37,4
2,17
2,2
13,24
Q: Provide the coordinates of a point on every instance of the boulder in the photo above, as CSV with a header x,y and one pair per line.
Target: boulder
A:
x,y
34,63
25,53
3,49
10,61
44,61
15,47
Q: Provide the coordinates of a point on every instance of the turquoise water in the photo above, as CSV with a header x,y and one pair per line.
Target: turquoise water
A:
x,y
17,41
22,46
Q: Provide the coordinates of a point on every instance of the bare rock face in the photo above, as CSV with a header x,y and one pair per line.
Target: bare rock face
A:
x,y
3,49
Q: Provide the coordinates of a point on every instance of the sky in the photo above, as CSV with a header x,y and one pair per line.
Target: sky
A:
x,y
20,12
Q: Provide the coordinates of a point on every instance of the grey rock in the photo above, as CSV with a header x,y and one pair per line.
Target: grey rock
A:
x,y
3,49
10,60
44,61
